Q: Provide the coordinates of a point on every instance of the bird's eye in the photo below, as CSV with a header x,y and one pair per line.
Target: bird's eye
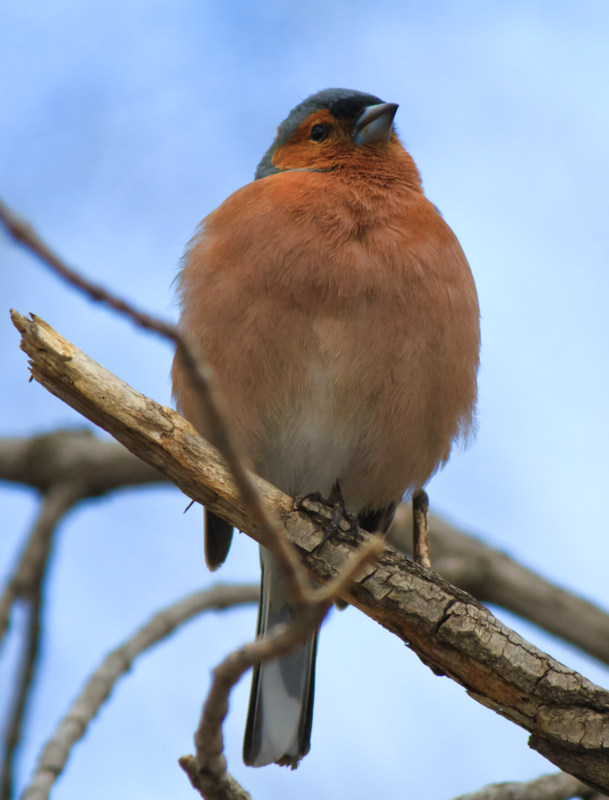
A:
x,y
319,133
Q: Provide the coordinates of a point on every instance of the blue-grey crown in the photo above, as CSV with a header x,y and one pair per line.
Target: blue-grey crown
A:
x,y
342,103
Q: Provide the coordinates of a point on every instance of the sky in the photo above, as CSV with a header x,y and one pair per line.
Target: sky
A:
x,y
123,125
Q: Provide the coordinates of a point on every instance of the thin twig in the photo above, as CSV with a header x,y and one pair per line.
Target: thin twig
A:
x,y
229,790
30,569
207,770
25,677
199,373
350,571
549,787
97,689
27,583
210,777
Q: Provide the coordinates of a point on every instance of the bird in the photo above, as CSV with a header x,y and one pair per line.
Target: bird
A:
x,y
340,315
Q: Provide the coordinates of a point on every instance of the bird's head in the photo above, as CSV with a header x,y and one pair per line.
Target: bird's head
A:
x,y
330,128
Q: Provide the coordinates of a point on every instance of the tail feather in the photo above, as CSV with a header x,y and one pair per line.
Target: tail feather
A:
x,y
218,536
280,713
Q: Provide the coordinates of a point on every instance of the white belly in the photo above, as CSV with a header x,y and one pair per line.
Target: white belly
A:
x,y
312,442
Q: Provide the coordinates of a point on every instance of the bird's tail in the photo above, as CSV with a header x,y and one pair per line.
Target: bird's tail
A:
x,y
280,713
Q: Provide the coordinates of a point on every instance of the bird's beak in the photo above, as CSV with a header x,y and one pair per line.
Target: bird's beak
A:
x,y
374,124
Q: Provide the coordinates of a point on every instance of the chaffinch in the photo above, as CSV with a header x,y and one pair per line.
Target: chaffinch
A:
x,y
341,318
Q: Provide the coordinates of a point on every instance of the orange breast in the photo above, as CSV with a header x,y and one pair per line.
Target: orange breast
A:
x,y
341,317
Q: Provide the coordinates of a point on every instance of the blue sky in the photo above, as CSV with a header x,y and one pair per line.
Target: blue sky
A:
x,y
123,124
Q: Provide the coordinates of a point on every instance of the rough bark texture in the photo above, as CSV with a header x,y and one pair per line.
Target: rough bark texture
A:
x,y
494,577
449,630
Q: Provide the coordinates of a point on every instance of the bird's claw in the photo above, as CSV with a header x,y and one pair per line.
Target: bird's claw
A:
x,y
300,500
336,504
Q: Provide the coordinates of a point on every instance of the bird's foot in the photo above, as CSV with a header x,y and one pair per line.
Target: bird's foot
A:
x,y
420,530
301,499
336,504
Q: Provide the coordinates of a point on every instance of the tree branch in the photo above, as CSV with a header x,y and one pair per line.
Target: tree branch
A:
x,y
28,574
72,455
550,787
449,630
493,577
460,558
60,466
74,725
24,679
27,582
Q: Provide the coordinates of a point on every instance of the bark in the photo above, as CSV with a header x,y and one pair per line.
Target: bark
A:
x,y
493,577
